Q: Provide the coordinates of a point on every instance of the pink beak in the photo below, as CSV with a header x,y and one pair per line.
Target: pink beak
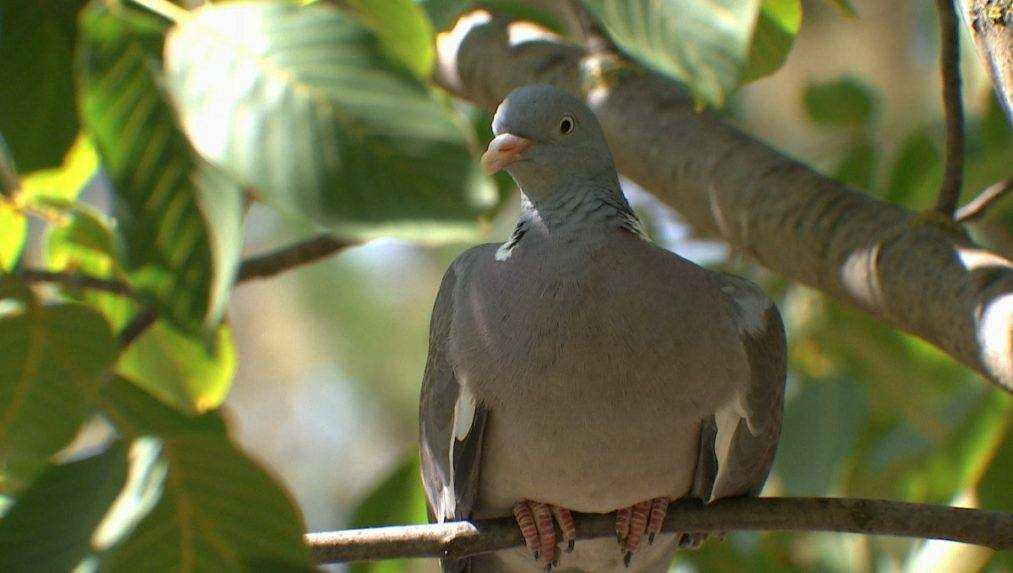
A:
x,y
503,150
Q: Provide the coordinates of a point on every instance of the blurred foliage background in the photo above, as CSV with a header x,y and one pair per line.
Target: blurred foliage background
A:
x,y
327,359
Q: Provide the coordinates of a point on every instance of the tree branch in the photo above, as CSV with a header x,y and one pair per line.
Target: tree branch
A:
x,y
136,327
991,26
285,258
949,68
75,280
876,517
979,205
256,267
259,266
922,277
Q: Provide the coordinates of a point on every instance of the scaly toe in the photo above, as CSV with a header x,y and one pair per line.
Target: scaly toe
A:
x,y
546,531
623,524
526,522
565,520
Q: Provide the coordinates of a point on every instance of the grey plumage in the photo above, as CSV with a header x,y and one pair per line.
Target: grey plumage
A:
x,y
578,364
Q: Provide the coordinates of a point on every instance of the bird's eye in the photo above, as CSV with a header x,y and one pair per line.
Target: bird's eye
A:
x,y
566,125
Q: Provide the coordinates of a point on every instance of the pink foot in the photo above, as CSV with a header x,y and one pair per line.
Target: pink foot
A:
x,y
638,520
535,520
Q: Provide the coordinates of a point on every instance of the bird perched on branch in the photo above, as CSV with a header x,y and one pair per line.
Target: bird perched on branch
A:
x,y
579,367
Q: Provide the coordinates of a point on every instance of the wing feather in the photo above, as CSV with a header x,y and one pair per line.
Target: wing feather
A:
x,y
748,453
451,422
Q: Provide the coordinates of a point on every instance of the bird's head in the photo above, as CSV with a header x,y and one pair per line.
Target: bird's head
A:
x,y
547,140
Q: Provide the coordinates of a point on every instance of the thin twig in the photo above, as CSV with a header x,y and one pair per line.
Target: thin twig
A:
x,y
876,517
285,258
75,280
979,205
260,266
949,66
136,327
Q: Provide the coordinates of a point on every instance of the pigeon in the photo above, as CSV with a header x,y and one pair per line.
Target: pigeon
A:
x,y
578,367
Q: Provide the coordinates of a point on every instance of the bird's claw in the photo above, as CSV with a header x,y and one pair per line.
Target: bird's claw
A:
x,y
638,520
535,520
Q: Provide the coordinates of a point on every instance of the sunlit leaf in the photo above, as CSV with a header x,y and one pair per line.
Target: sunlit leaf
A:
x,y
403,29
38,117
51,525
397,500
221,205
444,13
218,511
84,243
153,170
843,102
775,33
65,182
50,358
703,43
182,370
302,106
13,230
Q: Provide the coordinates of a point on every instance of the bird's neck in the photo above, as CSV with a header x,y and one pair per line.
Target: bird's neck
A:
x,y
584,212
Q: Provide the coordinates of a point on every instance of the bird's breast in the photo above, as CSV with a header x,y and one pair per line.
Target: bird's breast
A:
x,y
595,388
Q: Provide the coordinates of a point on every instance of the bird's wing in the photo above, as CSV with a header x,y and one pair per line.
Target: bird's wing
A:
x,y
749,430
451,422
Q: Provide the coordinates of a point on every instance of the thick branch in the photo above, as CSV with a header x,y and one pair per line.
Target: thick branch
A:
x,y
949,68
977,207
462,539
920,276
991,26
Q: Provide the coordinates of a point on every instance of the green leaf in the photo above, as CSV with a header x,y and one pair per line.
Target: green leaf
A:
x,y
13,230
917,170
84,243
51,525
843,102
302,105
821,428
993,487
221,204
219,511
859,166
397,500
153,170
50,357
179,369
403,29
959,460
444,13
775,33
703,43
37,112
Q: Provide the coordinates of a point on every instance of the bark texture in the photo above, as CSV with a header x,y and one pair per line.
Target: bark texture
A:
x,y
463,539
991,25
919,273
